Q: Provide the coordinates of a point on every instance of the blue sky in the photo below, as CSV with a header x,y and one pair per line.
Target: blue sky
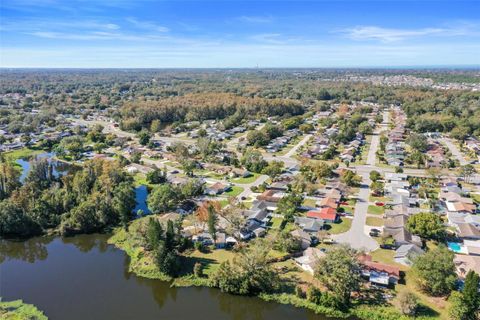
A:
x,y
148,33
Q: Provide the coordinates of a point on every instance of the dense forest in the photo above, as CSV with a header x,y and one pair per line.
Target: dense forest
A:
x,y
137,97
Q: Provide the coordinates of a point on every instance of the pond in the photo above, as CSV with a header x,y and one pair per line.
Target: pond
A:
x,y
85,278
141,194
59,167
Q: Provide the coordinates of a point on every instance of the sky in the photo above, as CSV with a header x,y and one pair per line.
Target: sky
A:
x,y
238,34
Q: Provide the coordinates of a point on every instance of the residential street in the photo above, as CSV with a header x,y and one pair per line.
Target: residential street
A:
x,y
454,150
356,236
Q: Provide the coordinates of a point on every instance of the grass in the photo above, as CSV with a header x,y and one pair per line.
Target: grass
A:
x,y
22,153
475,197
386,256
343,226
378,199
246,180
210,260
141,261
275,223
234,191
309,202
374,222
18,310
378,210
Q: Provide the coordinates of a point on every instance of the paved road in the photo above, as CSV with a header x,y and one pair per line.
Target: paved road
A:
x,y
292,151
454,150
288,158
372,152
356,236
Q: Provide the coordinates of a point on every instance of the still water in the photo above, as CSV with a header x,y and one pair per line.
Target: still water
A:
x,y
85,278
59,167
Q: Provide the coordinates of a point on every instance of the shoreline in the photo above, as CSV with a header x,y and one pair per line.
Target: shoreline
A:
x,y
142,265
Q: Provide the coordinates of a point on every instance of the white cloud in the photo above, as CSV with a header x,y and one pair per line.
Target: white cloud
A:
x,y
392,35
147,25
255,19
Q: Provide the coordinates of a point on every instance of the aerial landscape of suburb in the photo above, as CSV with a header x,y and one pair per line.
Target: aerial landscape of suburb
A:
x,y
239,160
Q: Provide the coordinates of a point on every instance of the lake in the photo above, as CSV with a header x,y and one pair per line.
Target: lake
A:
x,y
59,167
83,277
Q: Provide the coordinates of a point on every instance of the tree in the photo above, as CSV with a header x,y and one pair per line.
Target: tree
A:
x,y
9,178
435,271
253,161
471,294
212,221
350,178
458,309
306,127
466,306
198,270
286,243
288,205
257,138
163,198
143,138
339,272
377,187
233,215
273,169
202,212
460,133
418,142
14,222
375,175
124,202
426,225
157,176
154,233
467,171
155,126
248,273
407,303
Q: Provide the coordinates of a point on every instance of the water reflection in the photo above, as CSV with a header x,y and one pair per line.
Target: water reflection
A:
x,y
82,277
59,167
29,251
141,194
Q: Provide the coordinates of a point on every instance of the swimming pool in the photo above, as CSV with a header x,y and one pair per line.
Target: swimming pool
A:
x,y
455,247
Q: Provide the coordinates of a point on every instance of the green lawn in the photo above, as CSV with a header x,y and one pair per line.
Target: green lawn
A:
x,y
376,210
234,191
374,222
378,199
309,202
22,153
386,256
475,197
247,180
341,227
210,260
275,223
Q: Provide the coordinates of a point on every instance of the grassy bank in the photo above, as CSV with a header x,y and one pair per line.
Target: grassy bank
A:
x,y
141,262
18,310
369,305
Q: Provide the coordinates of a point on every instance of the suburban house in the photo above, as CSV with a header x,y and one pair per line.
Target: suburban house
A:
x,y
217,188
309,225
378,273
326,214
304,237
309,259
406,253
